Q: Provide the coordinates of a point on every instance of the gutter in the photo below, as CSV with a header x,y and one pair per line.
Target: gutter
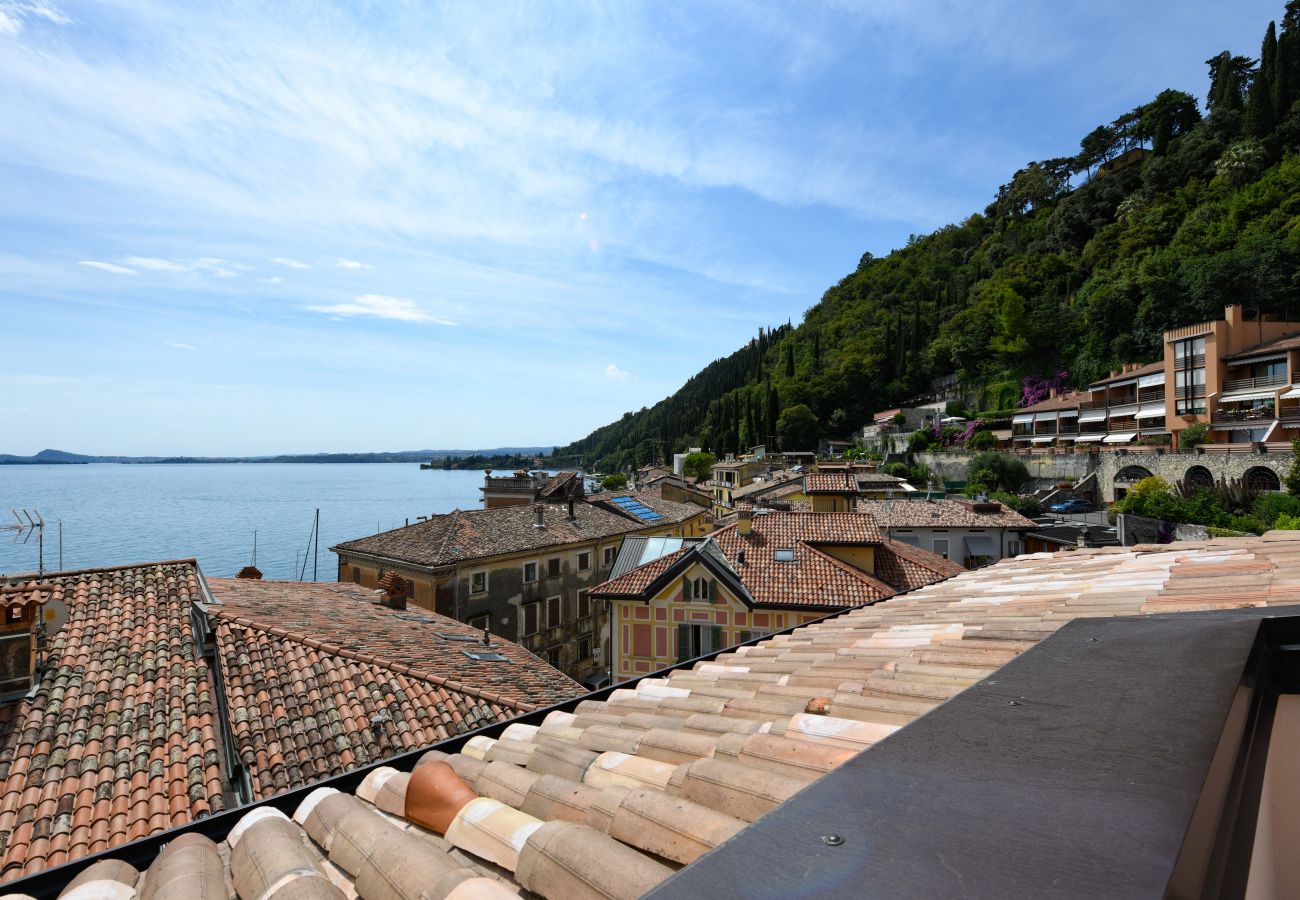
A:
x,y
240,782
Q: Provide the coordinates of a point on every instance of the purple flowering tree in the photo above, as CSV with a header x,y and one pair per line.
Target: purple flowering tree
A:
x,y
1037,388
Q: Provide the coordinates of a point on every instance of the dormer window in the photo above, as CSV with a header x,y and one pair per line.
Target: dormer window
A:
x,y
785,554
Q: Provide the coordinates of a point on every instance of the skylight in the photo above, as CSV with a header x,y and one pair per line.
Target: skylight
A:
x,y
785,554
485,656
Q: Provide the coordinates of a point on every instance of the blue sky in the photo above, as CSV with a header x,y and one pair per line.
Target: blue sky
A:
x,y
231,228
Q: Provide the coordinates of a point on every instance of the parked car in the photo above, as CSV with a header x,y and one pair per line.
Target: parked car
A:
x,y
1077,505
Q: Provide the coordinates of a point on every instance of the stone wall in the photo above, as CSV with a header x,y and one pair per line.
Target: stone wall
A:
x,y
1174,466
1047,468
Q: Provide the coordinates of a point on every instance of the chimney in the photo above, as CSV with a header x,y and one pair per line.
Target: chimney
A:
x,y
745,521
571,515
252,573
1232,313
394,588
1051,393
740,557
539,515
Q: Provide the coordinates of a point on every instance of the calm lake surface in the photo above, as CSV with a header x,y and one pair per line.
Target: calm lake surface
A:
x,y
115,514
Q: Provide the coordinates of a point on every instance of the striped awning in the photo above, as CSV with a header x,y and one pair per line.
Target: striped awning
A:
x,y
1122,437
1088,438
1044,440
1243,396
1151,411
1151,380
1093,415
1022,419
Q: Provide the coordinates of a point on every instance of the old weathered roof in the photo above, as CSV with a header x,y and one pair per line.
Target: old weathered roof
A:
x,y
119,740
321,679
1148,369
1064,401
775,485
941,514
482,533
608,798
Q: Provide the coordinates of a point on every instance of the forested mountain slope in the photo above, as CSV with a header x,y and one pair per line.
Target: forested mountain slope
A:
x,y
1079,264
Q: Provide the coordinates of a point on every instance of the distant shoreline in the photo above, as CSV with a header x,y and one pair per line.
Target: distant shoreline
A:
x,y
511,457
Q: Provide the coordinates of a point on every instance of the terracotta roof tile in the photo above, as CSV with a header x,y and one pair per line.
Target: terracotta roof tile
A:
x,y
941,514
84,763
598,799
479,533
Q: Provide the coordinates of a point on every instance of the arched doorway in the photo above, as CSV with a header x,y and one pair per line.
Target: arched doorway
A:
x,y
1128,476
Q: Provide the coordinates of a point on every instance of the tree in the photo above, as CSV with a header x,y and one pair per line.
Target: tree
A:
x,y
615,482
699,465
797,428
997,471
1293,474
982,440
1193,435
1229,77
1172,114
1261,115
1240,162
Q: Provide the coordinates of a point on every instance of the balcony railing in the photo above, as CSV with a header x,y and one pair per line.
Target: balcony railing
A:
x,y
1247,384
1151,394
1261,414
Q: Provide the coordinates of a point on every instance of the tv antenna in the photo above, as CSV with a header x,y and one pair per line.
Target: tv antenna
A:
x,y
27,523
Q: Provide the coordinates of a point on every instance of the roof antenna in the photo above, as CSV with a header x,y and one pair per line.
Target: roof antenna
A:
x,y
487,636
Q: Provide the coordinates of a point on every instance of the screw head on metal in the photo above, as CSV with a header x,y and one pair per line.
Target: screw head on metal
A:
x,y
832,840
1013,703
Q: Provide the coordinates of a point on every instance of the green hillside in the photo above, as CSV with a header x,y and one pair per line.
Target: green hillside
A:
x,y
1079,264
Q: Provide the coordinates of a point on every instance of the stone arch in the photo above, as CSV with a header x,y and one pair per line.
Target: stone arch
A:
x,y
1198,478
1261,478
1132,474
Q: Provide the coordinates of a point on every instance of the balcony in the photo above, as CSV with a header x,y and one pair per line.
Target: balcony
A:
x,y
1261,414
1151,394
1125,399
1250,384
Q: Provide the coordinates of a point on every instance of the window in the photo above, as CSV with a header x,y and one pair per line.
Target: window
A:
x,y
15,614
584,606
941,547
584,646
530,572
610,553
356,575
532,618
1013,548
584,562
1189,377
553,567
697,640
1189,349
554,605
478,582
697,589
479,623
785,554
553,657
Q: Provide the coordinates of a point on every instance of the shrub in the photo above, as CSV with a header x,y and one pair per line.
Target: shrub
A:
x,y
898,470
1026,506
1193,435
1292,479
919,442
899,419
1286,522
615,482
699,465
982,440
1269,507
919,475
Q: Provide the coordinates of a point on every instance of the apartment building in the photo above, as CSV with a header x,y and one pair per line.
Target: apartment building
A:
x,y
1240,375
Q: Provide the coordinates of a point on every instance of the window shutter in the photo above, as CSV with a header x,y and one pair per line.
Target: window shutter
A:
x,y
715,635
713,590
683,642
553,612
530,618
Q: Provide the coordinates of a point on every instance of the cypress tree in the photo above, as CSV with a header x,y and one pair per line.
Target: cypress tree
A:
x,y
1261,114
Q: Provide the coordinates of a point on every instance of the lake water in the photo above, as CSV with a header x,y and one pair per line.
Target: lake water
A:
x,y
115,514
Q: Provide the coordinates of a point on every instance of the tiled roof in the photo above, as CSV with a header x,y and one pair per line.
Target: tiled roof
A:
x,y
557,485
1065,401
120,737
865,479
777,484
1148,369
1277,345
480,533
940,514
344,620
608,799
906,567
813,578
670,511
835,482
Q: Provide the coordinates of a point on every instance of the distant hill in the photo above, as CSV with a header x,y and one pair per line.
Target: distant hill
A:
x,y
470,458
1079,264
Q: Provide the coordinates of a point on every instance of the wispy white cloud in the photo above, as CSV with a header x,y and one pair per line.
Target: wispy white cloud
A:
x,y
107,267
15,13
209,265
380,307
276,279
351,264
153,264
614,372
180,346
290,263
